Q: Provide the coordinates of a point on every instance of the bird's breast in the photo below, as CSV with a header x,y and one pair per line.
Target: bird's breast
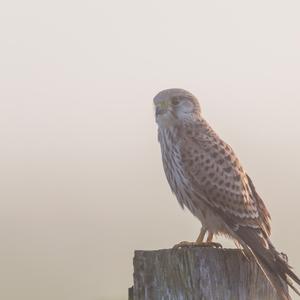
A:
x,y
175,173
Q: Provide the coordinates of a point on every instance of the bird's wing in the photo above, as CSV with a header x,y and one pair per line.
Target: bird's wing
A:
x,y
216,174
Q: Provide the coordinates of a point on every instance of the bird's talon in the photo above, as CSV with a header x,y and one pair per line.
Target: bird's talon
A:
x,y
184,244
212,244
194,244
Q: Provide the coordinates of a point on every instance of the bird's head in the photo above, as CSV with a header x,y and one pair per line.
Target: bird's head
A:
x,y
174,106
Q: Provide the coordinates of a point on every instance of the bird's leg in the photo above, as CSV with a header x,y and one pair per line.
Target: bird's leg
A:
x,y
201,235
199,242
210,237
209,241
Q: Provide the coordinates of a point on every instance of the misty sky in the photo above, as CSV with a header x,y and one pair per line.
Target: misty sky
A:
x,y
82,183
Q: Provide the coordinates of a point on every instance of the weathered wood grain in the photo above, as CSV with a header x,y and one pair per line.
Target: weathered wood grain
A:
x,y
198,274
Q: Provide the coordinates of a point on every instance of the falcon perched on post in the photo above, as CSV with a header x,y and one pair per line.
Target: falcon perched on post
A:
x,y
207,177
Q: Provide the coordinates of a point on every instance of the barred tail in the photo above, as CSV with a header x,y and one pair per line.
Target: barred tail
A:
x,y
270,260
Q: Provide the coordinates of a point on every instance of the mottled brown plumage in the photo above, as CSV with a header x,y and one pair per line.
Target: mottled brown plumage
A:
x,y
207,177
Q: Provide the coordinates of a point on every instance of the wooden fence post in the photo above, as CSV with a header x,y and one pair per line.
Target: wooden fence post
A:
x,y
198,274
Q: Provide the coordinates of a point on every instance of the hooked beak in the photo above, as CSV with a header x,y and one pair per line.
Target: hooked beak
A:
x,y
160,111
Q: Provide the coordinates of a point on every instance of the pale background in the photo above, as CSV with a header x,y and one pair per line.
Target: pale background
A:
x,y
82,183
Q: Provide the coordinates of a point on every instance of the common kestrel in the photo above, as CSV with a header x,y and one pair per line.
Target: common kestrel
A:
x,y
207,177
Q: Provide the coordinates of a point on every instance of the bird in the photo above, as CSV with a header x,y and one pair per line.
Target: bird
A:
x,y
208,179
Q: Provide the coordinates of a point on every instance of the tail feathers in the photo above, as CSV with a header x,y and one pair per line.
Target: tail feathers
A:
x,y
285,269
270,260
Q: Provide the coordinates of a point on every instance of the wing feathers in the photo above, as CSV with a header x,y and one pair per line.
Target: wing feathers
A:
x,y
217,177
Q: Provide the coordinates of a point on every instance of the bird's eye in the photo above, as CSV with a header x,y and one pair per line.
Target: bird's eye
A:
x,y
174,100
